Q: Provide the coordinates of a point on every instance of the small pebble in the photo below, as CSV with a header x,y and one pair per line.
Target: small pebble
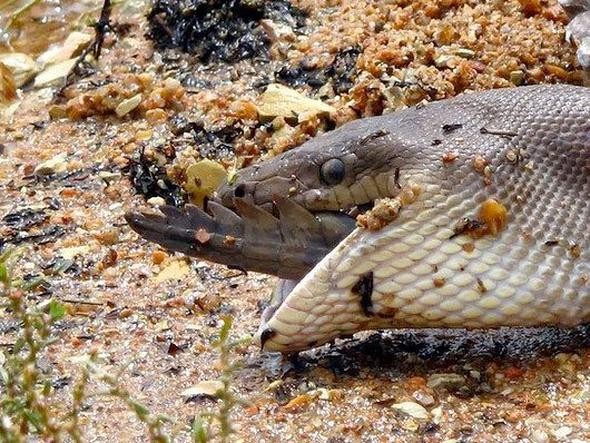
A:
x,y
424,398
445,381
156,201
412,409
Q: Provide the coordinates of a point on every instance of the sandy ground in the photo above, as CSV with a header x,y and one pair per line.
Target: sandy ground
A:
x,y
157,312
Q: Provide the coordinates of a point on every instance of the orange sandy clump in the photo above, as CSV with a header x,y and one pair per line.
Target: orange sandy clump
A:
x,y
387,209
491,219
494,215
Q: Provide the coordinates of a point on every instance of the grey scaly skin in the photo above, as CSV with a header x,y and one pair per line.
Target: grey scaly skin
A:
x,y
415,272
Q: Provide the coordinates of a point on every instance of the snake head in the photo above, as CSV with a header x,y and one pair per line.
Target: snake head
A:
x,y
331,172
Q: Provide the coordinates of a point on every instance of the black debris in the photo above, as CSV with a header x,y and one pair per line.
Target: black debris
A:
x,y
266,335
364,289
151,180
465,226
47,235
374,135
218,30
23,219
447,129
342,72
81,68
216,144
423,351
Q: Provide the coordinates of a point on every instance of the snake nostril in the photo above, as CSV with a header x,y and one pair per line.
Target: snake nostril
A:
x,y
240,191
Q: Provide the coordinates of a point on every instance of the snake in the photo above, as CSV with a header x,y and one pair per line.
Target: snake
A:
x,y
471,212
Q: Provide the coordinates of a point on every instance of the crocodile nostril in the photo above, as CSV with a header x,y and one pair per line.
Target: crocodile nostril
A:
x,y
240,191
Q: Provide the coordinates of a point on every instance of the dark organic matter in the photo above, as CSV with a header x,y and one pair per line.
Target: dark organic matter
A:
x,y
150,180
218,30
342,72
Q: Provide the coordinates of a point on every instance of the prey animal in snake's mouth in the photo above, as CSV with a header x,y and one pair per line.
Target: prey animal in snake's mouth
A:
x,y
528,149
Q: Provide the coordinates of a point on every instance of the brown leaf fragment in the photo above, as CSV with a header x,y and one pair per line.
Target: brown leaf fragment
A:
x,y
298,403
229,240
449,157
480,286
576,251
439,282
468,247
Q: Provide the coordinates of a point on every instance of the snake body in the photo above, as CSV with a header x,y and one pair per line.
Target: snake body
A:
x,y
527,148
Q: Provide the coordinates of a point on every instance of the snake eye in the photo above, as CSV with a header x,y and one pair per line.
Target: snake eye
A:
x,y
240,191
332,171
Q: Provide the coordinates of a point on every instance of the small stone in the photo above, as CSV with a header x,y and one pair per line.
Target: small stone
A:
x,y
277,31
156,201
52,166
162,326
125,313
246,110
57,112
54,74
175,270
155,116
108,237
280,101
445,61
71,47
71,253
128,105
7,86
202,236
479,163
208,388
298,403
21,66
445,381
562,432
539,436
109,177
412,409
449,157
437,415
424,398
465,53
203,178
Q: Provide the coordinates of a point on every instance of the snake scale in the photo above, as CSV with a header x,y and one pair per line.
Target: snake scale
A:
x,y
526,150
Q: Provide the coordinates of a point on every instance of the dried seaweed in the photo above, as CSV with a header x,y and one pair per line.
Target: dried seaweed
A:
x,y
342,72
46,235
218,30
213,143
25,218
151,180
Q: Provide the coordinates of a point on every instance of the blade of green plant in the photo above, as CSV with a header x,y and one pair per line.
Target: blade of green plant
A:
x,y
199,431
4,274
224,332
56,310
